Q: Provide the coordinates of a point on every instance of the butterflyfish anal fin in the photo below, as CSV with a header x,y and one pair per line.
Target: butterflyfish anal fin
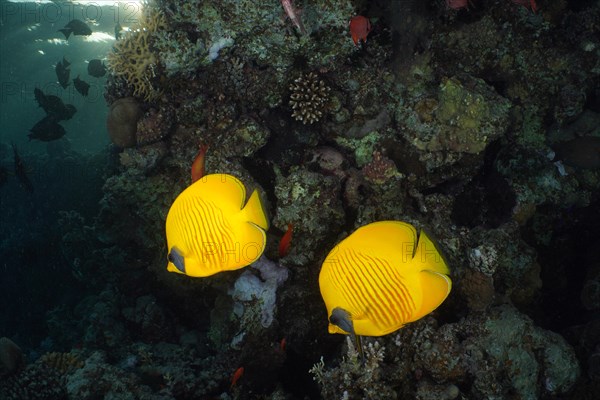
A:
x,y
435,289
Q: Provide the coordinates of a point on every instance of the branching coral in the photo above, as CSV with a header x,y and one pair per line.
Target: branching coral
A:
x,y
133,59
309,95
36,382
63,363
353,379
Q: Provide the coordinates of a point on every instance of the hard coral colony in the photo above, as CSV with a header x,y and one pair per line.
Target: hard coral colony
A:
x,y
415,216
133,59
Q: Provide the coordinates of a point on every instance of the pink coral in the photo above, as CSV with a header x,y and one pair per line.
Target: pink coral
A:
x,y
457,4
380,169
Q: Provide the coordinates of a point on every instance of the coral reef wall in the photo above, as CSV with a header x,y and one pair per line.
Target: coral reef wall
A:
x,y
454,126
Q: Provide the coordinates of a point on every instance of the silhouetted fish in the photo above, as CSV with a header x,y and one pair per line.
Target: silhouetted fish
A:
x,y
76,27
96,68
118,29
20,172
46,130
81,86
54,106
63,72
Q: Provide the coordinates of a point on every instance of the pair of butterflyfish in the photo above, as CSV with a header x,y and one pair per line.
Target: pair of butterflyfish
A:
x,y
381,277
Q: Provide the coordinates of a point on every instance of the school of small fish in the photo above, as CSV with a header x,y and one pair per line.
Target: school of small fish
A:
x,y
49,128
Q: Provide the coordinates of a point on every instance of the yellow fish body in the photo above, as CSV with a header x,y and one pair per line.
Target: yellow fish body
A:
x,y
381,277
209,229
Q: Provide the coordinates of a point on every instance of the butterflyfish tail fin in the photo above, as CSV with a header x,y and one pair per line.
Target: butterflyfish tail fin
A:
x,y
433,276
255,212
254,240
436,287
428,256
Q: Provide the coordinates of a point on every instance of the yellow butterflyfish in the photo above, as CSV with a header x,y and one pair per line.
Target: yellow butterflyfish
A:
x,y
210,228
382,277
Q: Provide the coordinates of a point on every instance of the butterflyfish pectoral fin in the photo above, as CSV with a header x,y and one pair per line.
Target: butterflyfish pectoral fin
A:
x,y
436,287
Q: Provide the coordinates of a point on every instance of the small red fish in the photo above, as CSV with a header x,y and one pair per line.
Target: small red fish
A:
x,y
236,376
359,28
199,162
285,242
282,345
457,4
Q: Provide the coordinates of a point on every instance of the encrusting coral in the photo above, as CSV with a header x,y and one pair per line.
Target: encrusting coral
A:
x,y
122,120
11,357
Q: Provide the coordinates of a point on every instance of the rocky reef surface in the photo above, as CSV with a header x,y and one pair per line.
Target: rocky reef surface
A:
x,y
479,125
